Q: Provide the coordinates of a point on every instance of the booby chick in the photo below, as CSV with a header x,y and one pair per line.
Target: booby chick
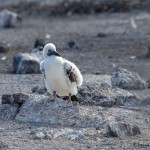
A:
x,y
62,77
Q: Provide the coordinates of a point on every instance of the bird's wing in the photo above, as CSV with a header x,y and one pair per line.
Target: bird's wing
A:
x,y
73,73
42,67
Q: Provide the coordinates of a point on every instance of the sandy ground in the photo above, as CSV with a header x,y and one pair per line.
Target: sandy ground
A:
x,y
101,55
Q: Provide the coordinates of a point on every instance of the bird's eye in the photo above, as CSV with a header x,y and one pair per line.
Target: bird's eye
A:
x,y
49,50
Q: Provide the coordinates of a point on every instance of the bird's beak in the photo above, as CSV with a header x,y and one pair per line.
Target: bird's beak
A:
x,y
54,53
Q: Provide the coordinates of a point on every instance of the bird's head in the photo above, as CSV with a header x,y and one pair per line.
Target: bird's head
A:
x,y
50,50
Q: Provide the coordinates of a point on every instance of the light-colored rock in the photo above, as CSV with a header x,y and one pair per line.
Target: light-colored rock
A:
x,y
125,98
27,63
101,79
122,129
127,80
9,19
38,135
95,93
70,134
43,109
8,112
56,134
101,93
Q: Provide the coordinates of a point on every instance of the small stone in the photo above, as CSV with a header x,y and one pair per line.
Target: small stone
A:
x,y
39,43
27,63
101,35
70,134
73,137
39,90
4,47
97,73
3,58
88,146
47,36
127,80
108,102
16,98
39,135
48,136
133,57
72,45
122,129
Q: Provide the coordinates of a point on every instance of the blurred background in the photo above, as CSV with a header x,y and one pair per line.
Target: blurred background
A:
x,y
100,36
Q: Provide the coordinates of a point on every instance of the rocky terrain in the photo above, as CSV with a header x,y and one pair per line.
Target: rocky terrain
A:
x,y
109,42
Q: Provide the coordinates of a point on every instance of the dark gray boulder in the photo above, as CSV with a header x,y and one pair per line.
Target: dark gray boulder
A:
x,y
9,19
39,42
16,98
27,63
123,129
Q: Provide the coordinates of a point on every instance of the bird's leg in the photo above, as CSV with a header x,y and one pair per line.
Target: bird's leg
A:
x,y
54,94
69,97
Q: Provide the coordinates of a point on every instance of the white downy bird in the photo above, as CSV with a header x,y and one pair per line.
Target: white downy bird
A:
x,y
62,77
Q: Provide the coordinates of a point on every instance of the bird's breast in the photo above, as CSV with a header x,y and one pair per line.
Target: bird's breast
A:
x,y
53,67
